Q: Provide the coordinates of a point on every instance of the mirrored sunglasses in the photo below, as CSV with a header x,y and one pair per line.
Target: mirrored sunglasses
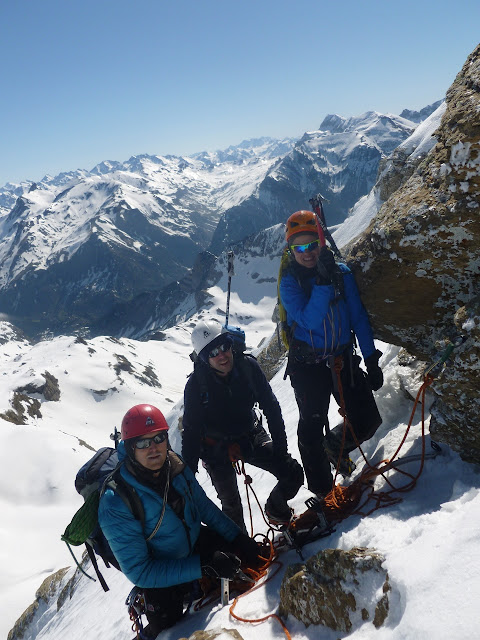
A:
x,y
222,348
144,443
305,248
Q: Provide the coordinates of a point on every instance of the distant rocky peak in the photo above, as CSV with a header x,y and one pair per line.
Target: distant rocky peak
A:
x,y
420,116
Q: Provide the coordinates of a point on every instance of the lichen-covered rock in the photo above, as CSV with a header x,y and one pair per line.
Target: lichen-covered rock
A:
x,y
418,263
339,589
47,592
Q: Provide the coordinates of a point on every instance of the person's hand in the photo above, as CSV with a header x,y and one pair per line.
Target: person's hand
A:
x,y
221,564
374,373
247,550
325,265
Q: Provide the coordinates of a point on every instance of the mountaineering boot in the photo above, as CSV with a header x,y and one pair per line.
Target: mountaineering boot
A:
x,y
346,465
278,515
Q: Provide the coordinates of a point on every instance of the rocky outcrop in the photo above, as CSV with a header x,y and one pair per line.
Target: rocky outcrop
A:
x,y
338,589
46,594
418,263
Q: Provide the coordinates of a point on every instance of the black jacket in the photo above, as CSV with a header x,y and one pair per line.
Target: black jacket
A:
x,y
226,413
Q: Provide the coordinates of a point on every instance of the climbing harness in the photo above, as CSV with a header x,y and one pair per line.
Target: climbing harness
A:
x,y
136,608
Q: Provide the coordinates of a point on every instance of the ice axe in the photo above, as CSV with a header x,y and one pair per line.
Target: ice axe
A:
x,y
230,273
317,206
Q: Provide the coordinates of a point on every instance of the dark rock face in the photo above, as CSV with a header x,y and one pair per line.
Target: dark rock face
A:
x,y
418,263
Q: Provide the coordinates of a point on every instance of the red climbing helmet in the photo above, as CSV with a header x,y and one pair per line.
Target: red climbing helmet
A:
x,y
142,419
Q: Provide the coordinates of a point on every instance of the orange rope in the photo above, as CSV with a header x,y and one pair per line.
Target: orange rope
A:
x,y
257,576
342,502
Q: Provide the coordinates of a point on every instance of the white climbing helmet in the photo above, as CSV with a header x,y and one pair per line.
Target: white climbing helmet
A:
x,y
205,332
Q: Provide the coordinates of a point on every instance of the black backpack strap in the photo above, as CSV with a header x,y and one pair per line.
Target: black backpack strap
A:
x,y
200,372
126,492
247,370
93,559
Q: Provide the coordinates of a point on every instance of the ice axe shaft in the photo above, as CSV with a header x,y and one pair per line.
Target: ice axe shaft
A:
x,y
317,206
230,272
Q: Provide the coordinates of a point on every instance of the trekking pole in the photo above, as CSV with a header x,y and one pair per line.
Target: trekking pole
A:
x,y
317,207
230,272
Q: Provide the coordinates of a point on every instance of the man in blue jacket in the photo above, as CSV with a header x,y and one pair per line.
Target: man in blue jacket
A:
x,y
172,548
220,424
324,310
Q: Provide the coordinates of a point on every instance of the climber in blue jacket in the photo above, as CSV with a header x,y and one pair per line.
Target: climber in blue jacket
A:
x,y
324,315
172,548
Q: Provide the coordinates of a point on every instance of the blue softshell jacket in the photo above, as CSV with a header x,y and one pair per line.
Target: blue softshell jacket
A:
x,y
322,322
167,559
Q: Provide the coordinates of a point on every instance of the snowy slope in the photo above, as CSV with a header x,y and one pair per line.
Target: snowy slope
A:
x,y
429,540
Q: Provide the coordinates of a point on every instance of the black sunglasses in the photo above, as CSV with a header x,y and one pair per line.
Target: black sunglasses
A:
x,y
144,443
222,348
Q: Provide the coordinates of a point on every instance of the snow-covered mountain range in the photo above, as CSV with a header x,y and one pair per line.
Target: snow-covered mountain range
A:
x,y
62,397
98,379
82,250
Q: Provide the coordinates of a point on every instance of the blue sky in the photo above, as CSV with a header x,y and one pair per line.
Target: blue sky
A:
x,y
86,81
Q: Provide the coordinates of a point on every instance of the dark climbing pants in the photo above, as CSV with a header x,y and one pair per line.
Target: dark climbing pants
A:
x,y
260,454
313,385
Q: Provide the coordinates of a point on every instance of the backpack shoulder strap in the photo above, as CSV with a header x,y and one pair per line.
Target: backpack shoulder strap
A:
x,y
286,331
201,374
126,492
244,363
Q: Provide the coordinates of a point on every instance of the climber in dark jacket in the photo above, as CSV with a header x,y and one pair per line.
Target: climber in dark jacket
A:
x,y
220,424
324,309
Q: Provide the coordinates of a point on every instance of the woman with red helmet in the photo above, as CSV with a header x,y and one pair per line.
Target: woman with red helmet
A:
x,y
173,548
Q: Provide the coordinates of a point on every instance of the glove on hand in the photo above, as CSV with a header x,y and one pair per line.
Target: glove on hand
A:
x,y
374,373
221,565
325,265
247,549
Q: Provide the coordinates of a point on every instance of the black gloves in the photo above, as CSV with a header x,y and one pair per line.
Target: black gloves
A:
x,y
220,564
374,373
325,265
247,550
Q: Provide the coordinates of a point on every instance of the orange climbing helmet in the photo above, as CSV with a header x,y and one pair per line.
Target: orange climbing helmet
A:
x,y
301,222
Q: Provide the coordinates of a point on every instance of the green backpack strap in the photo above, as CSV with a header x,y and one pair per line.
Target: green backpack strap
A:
x,y
286,332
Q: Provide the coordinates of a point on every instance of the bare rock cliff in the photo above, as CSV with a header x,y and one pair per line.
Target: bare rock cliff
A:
x,y
418,263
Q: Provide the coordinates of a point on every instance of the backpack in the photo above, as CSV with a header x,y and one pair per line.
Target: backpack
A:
x,y
99,473
286,331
